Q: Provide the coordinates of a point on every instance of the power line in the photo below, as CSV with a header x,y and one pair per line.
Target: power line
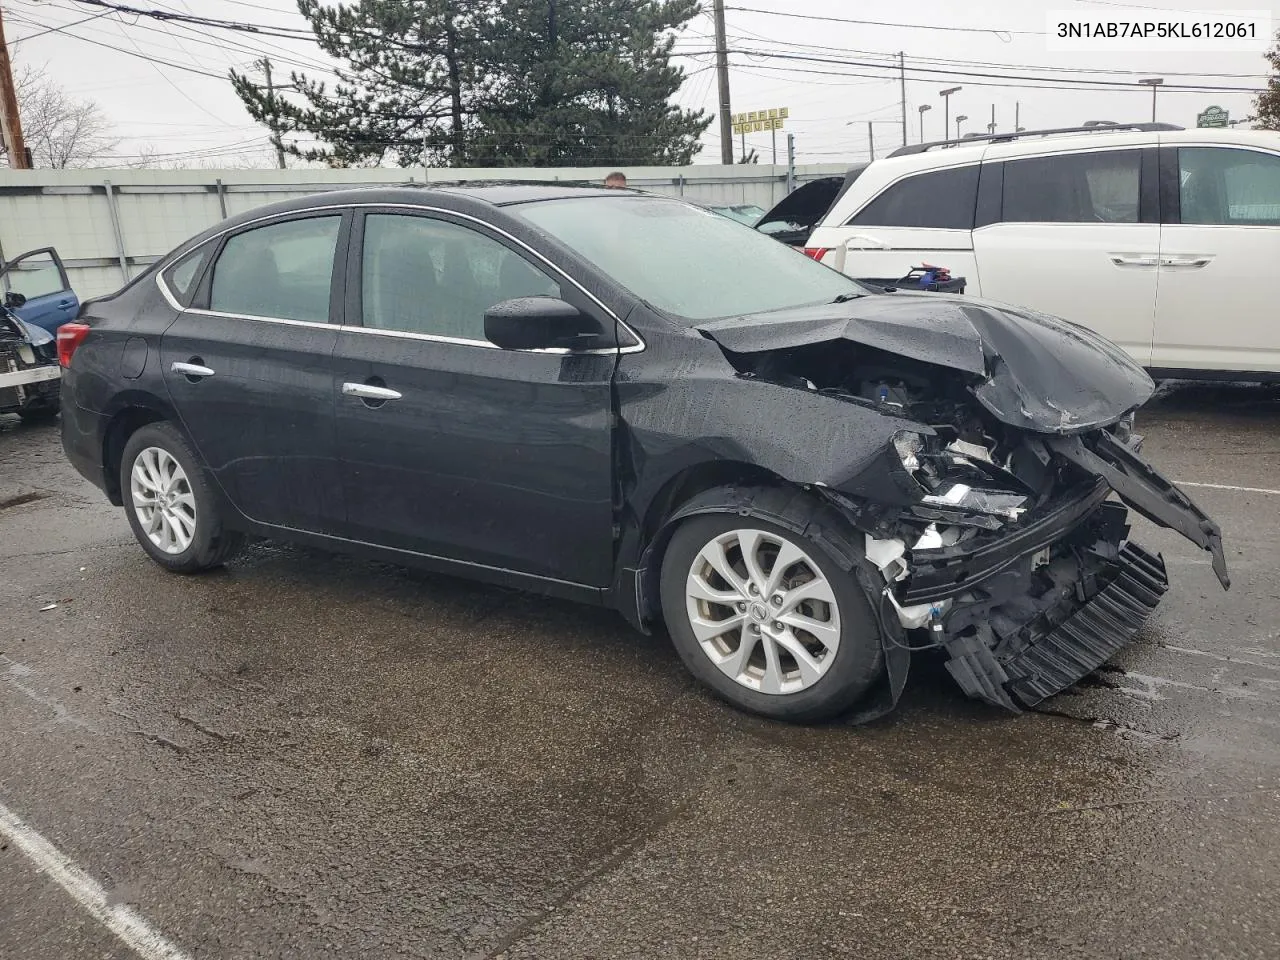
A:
x,y
883,23
56,29
1028,82
755,38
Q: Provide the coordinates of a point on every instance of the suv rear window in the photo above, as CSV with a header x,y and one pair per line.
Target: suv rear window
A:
x,y
942,200
1073,188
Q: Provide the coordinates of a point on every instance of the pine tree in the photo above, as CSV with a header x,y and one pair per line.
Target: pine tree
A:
x,y
408,85
584,83
1267,104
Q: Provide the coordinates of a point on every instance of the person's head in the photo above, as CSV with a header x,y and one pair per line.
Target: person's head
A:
x,y
617,180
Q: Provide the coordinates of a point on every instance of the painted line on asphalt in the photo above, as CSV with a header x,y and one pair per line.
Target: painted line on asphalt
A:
x,y
1227,486
121,919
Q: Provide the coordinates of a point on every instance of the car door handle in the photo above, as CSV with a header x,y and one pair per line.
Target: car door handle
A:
x,y
1135,260
860,241
1193,263
191,369
367,391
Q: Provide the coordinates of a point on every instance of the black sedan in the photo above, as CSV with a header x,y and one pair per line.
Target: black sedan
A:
x,y
628,400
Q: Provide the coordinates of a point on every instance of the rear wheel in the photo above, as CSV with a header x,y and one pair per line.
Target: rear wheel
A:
x,y
768,619
170,504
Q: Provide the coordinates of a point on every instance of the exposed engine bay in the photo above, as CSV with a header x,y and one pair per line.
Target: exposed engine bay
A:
x,y
996,544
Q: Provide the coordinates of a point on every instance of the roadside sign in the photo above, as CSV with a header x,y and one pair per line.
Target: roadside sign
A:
x,y
1212,117
758,121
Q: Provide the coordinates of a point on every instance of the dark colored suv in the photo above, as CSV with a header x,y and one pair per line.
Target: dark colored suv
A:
x,y
628,400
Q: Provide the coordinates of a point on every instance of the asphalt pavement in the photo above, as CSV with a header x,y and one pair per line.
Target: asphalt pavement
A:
x,y
311,756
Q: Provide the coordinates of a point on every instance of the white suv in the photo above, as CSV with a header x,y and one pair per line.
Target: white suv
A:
x,y
1161,239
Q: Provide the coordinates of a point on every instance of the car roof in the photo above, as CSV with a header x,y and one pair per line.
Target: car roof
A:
x,y
462,197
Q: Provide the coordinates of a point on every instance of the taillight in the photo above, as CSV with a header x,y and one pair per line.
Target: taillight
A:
x,y
817,253
70,336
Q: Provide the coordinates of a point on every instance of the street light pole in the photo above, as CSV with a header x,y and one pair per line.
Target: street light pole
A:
x,y
1154,83
946,108
959,120
922,108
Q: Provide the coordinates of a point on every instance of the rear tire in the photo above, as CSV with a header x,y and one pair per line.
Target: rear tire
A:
x,y
170,505
801,644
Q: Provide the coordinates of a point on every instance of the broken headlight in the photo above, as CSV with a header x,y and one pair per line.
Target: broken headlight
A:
x,y
961,496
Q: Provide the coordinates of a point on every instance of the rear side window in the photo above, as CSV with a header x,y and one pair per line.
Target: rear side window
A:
x,y
942,200
181,278
1073,188
282,270
1229,187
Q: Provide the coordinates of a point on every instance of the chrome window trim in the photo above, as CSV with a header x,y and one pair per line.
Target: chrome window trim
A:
x,y
637,347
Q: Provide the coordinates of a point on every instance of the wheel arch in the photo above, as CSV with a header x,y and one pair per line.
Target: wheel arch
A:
x,y
130,411
719,486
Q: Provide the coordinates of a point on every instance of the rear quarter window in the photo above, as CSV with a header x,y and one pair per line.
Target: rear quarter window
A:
x,y
940,200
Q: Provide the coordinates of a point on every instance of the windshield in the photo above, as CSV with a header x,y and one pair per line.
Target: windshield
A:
x,y
686,260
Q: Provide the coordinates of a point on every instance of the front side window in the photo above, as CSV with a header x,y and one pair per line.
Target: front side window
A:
x,y
684,260
1073,188
282,270
1229,187
942,200
421,275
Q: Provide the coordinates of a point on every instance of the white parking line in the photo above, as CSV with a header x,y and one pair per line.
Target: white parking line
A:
x,y
1227,486
120,919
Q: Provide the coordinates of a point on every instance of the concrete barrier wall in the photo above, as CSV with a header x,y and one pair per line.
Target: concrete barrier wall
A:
x,y
109,224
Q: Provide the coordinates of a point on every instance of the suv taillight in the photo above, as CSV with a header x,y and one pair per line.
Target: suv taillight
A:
x,y
817,253
70,336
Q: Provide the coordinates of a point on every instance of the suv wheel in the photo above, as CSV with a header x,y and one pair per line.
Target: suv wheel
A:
x,y
768,619
170,505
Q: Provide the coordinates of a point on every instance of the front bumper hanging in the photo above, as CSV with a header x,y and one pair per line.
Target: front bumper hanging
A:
x,y
1052,656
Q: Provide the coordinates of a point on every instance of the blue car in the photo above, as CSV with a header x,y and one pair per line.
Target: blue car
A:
x,y
37,291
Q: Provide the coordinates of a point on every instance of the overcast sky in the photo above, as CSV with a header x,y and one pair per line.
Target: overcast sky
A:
x,y
177,114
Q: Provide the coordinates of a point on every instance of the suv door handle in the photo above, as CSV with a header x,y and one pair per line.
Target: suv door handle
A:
x,y
860,241
368,391
1135,260
191,369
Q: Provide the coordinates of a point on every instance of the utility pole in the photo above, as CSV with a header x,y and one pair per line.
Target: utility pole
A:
x,y
722,75
791,162
946,110
10,119
273,125
1154,83
902,81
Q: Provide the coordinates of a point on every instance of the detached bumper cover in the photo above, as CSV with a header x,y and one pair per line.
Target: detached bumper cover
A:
x,y
1066,645
1144,489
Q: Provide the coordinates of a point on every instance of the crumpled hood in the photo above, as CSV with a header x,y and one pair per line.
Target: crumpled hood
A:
x,y
1030,370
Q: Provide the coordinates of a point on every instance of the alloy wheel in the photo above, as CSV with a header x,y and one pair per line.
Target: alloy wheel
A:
x,y
163,500
763,611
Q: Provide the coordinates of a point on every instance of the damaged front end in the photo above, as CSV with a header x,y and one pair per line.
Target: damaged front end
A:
x,y
993,524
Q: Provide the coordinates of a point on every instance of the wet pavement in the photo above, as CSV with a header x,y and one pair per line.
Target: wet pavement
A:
x,y
311,756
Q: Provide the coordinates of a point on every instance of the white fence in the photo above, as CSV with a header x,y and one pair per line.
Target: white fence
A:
x,y
107,225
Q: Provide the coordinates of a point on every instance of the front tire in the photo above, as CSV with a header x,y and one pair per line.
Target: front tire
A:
x,y
768,619
170,505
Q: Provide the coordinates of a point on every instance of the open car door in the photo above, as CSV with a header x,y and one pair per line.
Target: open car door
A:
x,y
36,289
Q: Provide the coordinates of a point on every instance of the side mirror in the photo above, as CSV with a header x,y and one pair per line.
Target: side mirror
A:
x,y
13,299
540,323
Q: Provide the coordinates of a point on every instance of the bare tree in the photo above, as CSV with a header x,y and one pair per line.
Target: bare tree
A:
x,y
61,131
